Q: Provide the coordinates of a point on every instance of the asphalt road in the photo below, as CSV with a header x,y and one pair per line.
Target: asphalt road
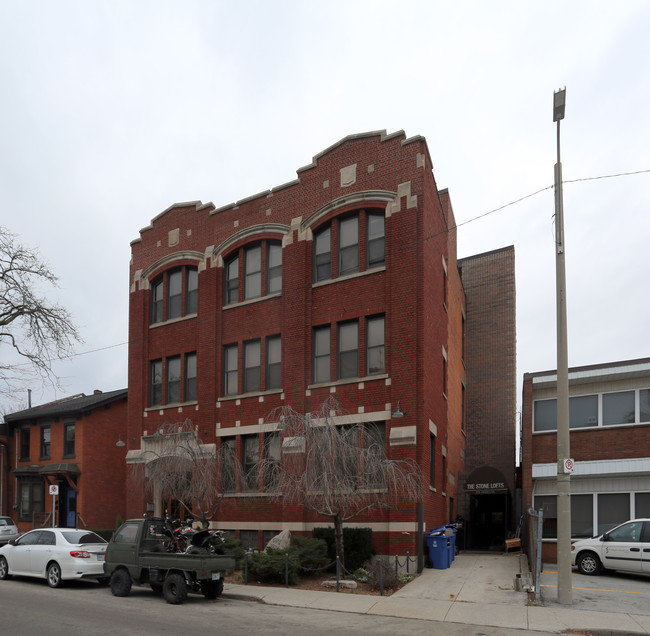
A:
x,y
29,606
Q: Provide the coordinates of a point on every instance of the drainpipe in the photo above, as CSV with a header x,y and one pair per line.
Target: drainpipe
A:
x,y
2,477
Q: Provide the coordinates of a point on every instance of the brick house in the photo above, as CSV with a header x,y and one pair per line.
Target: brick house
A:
x,y
609,422
344,283
70,443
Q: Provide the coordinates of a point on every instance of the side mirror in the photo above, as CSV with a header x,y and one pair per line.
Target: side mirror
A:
x,y
12,542
605,537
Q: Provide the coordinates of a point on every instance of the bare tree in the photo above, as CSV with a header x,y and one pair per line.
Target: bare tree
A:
x,y
178,466
37,330
337,470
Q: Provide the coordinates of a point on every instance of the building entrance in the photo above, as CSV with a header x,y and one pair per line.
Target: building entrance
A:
x,y
488,522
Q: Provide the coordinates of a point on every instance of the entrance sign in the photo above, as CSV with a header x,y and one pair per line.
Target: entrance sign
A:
x,y
486,480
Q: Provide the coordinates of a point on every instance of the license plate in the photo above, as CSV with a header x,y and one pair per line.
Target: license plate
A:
x,y
216,576
101,557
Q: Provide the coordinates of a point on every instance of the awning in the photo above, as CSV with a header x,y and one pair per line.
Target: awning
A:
x,y
50,472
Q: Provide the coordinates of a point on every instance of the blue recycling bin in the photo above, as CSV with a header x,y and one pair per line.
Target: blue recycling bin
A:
x,y
438,545
452,541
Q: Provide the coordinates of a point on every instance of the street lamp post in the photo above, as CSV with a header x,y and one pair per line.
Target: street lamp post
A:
x,y
564,591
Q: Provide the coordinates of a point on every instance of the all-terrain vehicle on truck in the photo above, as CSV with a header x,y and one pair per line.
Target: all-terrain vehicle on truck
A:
x,y
137,554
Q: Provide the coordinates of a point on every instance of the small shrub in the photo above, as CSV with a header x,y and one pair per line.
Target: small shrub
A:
x,y
234,545
270,566
357,545
381,571
362,575
312,553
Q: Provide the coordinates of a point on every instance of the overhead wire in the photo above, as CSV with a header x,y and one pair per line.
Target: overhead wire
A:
x,y
471,220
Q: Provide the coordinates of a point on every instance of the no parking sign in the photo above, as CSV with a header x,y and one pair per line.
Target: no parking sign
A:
x,y
568,465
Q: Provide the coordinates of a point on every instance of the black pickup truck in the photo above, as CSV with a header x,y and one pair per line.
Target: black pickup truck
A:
x,y
136,554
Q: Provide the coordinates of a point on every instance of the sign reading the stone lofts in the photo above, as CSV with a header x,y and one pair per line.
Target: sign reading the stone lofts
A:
x,y
486,480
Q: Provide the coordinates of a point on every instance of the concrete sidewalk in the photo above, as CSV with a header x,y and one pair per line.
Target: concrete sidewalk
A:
x,y
478,589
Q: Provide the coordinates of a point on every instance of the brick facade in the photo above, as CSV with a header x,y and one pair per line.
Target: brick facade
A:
x,y
88,467
490,402
416,290
611,455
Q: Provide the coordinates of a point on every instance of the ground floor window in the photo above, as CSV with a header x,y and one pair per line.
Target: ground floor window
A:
x,y
249,539
31,498
593,514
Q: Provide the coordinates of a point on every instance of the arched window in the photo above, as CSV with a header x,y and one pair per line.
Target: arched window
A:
x,y
357,241
175,294
258,266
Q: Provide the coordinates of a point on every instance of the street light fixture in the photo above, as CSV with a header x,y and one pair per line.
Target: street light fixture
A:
x,y
564,590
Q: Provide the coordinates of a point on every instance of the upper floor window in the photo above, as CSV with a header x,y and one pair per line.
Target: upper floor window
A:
x,y
375,241
253,380
179,373
24,443
230,370
274,268
173,380
357,351
174,294
273,363
322,372
191,290
348,245
252,368
358,240
46,432
323,254
68,439
603,409
375,347
261,272
190,377
348,350
253,277
231,286
155,383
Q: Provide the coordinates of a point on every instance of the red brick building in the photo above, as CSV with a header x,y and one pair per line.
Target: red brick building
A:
x,y
70,444
609,423
344,283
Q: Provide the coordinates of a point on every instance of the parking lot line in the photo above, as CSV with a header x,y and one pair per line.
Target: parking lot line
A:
x,y
596,589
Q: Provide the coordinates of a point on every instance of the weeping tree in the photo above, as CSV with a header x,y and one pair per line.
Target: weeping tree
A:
x,y
178,466
336,470
33,330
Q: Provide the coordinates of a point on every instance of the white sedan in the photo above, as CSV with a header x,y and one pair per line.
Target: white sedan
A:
x,y
55,554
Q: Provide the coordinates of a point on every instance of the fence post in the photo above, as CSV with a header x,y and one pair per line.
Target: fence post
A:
x,y
408,561
286,569
396,568
381,577
246,567
538,587
338,572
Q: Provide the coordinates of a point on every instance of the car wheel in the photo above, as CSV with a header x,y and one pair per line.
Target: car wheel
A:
x,y
4,569
175,589
54,575
120,583
589,563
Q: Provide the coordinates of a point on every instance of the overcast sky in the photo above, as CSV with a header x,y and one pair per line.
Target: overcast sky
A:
x,y
112,111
